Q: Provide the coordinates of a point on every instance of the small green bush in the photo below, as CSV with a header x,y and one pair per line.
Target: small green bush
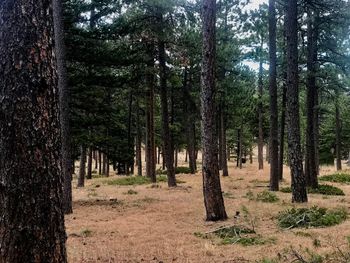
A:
x,y
178,170
86,233
311,217
267,197
136,180
322,189
337,178
237,235
131,192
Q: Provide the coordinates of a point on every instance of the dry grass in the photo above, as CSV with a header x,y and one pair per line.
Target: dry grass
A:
x,y
158,224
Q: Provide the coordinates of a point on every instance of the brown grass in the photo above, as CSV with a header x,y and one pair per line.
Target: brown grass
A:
x,y
158,224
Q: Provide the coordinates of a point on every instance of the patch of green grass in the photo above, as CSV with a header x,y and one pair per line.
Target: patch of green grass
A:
x,y
302,234
267,197
237,235
131,192
86,232
178,170
250,195
228,195
311,217
322,189
135,180
337,178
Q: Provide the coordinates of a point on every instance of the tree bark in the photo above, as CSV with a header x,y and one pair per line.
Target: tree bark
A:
x,y
223,140
260,115
274,178
310,156
138,141
168,152
66,154
82,169
213,199
299,194
99,162
282,132
89,164
32,219
338,136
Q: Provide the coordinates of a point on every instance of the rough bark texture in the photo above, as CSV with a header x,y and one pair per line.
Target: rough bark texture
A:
x,y
168,153
282,132
274,178
213,199
310,156
82,168
32,219
66,155
293,117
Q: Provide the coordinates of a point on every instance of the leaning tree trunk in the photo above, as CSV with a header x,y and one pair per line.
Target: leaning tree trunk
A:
x,y
293,116
82,169
213,199
168,152
274,178
66,155
32,219
310,156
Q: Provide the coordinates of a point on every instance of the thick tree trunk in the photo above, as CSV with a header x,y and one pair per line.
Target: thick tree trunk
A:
x,y
89,164
293,118
32,219
213,199
66,155
260,116
82,168
168,152
274,178
338,136
310,156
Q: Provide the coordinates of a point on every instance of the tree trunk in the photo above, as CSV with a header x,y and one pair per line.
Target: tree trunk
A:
x,y
338,136
213,199
282,132
150,143
66,154
104,164
260,116
89,164
294,148
96,160
168,152
274,178
176,157
99,162
240,149
310,156
82,169
223,140
32,219
138,141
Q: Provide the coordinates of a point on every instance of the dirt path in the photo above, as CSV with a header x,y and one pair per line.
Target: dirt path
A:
x,y
158,224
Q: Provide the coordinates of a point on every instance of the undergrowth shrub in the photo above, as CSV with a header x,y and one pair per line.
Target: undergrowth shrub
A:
x,y
322,189
136,180
337,178
267,197
311,217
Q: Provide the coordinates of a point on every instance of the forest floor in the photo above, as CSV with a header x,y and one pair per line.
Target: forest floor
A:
x,y
146,223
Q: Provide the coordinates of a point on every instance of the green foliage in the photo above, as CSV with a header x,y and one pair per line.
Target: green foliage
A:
x,y
86,232
250,195
267,197
135,180
311,217
178,170
337,178
237,235
131,192
322,189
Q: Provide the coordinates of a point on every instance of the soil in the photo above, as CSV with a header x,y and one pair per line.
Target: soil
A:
x,y
157,224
